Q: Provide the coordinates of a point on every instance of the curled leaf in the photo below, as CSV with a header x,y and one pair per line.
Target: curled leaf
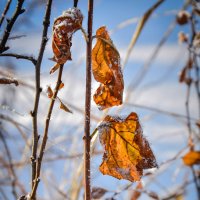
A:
x,y
64,27
126,151
191,158
106,70
49,92
64,107
98,192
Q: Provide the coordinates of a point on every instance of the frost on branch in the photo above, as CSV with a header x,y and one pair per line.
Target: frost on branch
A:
x,y
106,70
126,151
64,27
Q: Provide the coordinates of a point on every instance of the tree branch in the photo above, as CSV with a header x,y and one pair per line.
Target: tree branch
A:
x,y
5,11
88,104
10,24
45,137
46,23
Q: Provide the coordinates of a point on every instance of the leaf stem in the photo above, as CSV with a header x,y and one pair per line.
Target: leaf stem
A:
x,y
88,104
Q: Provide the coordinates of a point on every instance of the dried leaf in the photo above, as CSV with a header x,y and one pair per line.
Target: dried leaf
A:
x,y
182,37
191,158
8,81
126,151
64,107
106,70
153,195
49,92
182,76
64,27
98,192
183,17
61,85
54,68
136,193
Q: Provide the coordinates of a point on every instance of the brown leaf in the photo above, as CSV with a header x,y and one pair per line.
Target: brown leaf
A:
x,y
126,151
183,17
98,192
153,195
182,76
61,85
198,123
8,81
64,107
191,158
136,193
54,68
64,27
106,70
49,92
182,37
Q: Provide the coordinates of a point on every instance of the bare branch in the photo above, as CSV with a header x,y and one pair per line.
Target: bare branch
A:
x,y
5,11
10,24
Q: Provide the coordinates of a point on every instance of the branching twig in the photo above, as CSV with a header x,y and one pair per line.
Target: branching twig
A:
x,y
10,24
5,11
46,23
45,137
18,56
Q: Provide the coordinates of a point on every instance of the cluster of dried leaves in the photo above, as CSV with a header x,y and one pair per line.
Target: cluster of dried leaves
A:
x,y
127,152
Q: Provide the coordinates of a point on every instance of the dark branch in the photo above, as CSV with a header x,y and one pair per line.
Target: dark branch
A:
x,y
5,11
10,24
75,3
18,56
46,23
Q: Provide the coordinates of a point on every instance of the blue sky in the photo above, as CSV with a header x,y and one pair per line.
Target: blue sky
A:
x,y
160,88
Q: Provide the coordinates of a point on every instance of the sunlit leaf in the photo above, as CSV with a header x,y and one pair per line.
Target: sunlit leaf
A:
x,y
191,158
107,70
64,27
49,92
98,192
61,85
126,151
64,107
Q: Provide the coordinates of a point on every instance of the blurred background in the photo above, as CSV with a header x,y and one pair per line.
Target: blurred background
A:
x,y
152,90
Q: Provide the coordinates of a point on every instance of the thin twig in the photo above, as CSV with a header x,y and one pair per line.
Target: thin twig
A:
x,y
34,113
18,56
139,28
45,137
5,11
10,24
88,104
13,175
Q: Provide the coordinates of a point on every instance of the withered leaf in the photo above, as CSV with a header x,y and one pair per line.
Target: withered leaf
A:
x,y
191,158
65,108
98,192
49,92
106,70
64,27
61,85
126,151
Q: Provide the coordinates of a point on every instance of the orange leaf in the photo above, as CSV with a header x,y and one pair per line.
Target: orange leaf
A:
x,y
64,27
61,85
49,92
64,107
191,158
126,151
106,70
